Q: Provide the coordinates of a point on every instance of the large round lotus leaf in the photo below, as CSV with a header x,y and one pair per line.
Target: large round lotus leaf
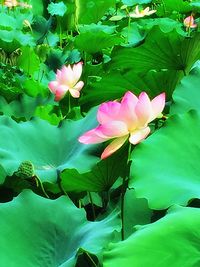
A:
x,y
110,87
165,167
48,147
171,241
187,93
46,233
115,84
159,51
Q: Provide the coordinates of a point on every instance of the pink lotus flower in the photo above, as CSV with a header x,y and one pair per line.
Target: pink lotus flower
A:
x,y
189,22
67,80
120,121
141,13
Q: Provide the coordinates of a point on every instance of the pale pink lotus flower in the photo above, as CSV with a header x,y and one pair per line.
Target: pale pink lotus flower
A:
x,y
126,120
67,79
189,22
141,13
14,3
10,3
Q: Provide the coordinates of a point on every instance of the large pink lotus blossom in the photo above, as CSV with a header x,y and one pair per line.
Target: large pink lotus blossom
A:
x,y
189,22
67,79
126,120
141,13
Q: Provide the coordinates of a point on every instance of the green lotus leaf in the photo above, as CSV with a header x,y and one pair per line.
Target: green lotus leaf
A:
x,y
48,147
135,2
165,166
11,35
58,9
28,60
2,174
154,82
93,42
169,7
165,24
133,34
195,5
40,232
23,107
47,113
91,11
33,88
171,241
102,176
97,28
159,51
7,22
37,7
136,211
115,84
187,93
10,41
110,87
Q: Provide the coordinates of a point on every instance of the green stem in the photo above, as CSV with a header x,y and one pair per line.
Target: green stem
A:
x,y
156,125
42,187
123,192
60,184
129,153
129,25
60,33
85,58
122,207
164,7
91,259
61,114
79,204
42,75
76,16
92,204
29,59
189,31
69,104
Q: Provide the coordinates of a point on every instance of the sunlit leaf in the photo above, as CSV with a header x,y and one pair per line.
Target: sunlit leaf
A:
x,y
187,93
158,244
42,232
165,166
160,51
48,147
